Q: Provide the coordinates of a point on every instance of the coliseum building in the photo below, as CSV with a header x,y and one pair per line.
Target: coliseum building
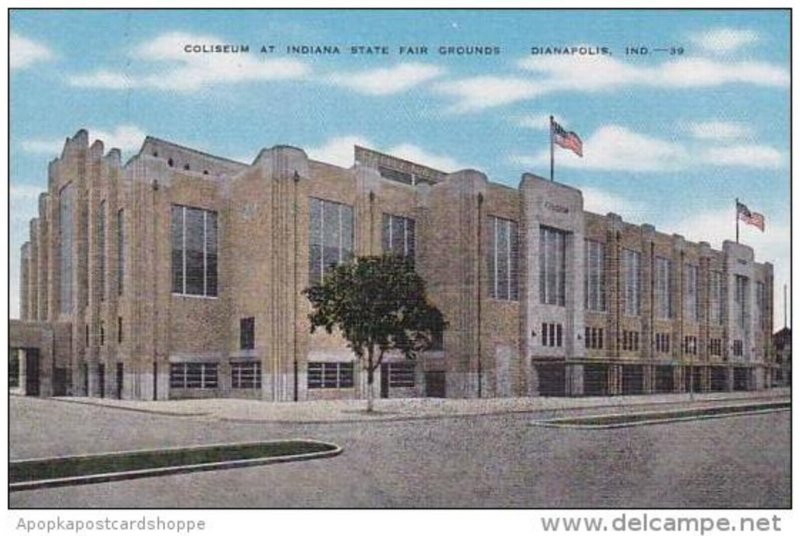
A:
x,y
179,274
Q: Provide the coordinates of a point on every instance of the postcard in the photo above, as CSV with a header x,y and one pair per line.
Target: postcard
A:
x,y
400,259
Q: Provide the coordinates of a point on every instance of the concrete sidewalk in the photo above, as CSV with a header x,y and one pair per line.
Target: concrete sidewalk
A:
x,y
330,411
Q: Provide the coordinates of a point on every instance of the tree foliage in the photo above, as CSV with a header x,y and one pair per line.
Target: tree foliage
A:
x,y
379,304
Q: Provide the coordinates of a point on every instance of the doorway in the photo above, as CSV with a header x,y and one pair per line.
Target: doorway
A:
x,y
32,372
120,378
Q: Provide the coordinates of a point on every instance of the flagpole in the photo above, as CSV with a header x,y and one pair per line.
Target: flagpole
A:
x,y
551,149
737,220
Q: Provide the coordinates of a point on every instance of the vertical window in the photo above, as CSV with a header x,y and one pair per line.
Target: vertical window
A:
x,y
717,298
691,294
594,276
399,235
401,374
119,330
503,259
101,247
322,375
193,376
552,334
102,333
331,240
663,290
552,249
632,265
66,205
761,304
740,301
194,251
246,375
121,250
247,333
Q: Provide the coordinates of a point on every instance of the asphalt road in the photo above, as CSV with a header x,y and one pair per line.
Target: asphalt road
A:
x,y
489,461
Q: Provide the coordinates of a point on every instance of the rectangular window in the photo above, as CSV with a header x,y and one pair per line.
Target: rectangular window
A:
x,y
194,251
717,298
630,341
594,282
761,304
552,334
101,248
102,333
632,266
120,251
119,330
692,295
401,374
662,343
740,301
66,209
593,338
552,266
246,375
193,375
663,290
247,333
738,348
399,236
715,346
690,345
331,240
503,259
324,375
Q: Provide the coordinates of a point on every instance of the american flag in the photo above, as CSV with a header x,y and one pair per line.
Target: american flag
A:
x,y
567,140
752,218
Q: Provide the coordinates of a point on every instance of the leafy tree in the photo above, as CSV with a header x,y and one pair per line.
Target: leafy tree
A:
x,y
379,304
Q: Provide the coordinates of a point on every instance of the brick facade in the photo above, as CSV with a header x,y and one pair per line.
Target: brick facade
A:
x,y
127,336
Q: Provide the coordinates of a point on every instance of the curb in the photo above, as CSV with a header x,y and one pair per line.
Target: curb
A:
x,y
135,410
401,417
238,420
173,470
554,423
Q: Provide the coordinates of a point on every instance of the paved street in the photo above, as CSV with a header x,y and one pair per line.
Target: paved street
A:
x,y
458,461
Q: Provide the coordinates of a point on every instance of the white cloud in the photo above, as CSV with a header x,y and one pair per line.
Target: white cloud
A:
x,y
539,121
102,80
719,130
23,192
387,81
25,52
173,69
757,156
409,151
481,92
339,151
588,74
602,201
716,225
724,40
127,138
616,148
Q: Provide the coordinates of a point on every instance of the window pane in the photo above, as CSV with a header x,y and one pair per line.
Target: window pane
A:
x,y
315,242
177,249
65,221
211,253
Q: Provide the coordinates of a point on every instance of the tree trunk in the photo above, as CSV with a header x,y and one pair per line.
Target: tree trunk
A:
x,y
370,379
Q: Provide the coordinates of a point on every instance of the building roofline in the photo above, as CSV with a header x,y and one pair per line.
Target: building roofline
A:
x,y
155,139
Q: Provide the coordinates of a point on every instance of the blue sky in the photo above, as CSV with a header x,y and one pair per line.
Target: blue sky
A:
x,y
668,139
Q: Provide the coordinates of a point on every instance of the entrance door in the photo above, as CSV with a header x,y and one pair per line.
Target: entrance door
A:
x,y
101,373
32,371
120,377
384,380
435,384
